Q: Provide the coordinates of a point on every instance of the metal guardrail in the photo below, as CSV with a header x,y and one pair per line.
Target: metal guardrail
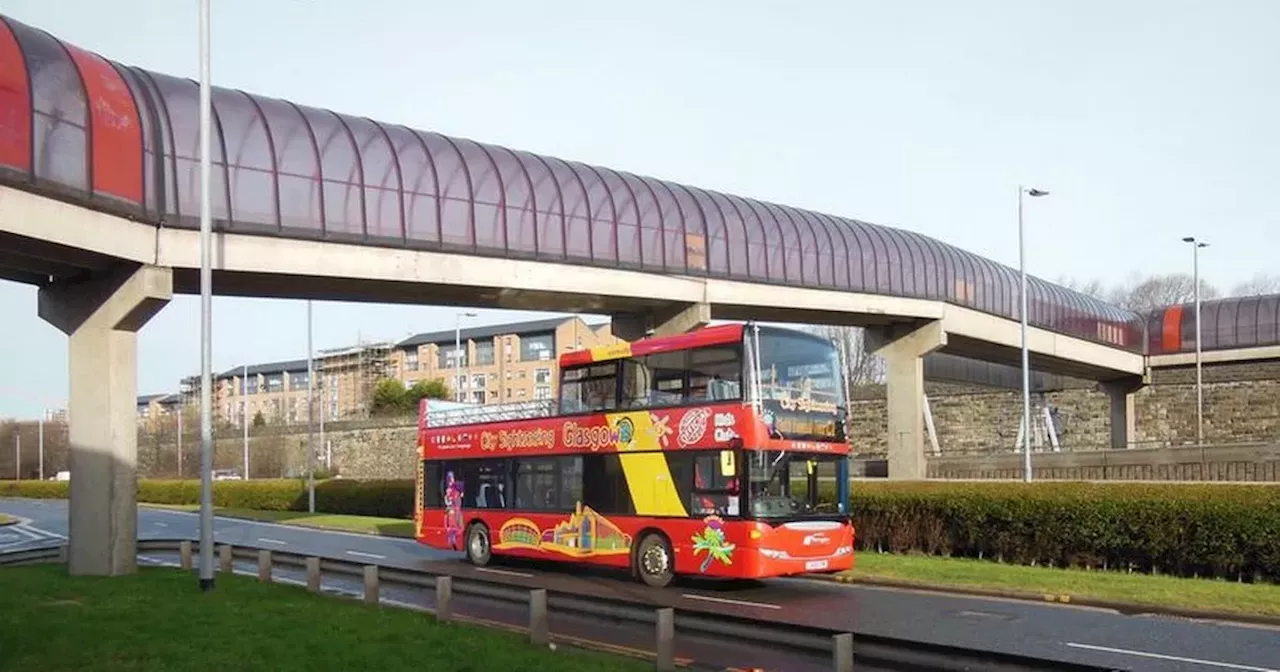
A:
x,y
844,648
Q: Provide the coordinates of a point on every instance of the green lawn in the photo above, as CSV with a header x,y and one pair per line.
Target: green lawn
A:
x,y
159,620
387,527
1166,591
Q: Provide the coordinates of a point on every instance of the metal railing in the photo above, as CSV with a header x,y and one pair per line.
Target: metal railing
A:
x,y
844,649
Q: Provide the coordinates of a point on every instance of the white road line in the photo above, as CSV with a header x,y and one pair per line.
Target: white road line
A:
x,y
504,572
762,605
1161,656
273,541
162,524
375,556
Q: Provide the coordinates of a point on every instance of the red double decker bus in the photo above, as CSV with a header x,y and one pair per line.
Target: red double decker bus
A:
x,y
703,453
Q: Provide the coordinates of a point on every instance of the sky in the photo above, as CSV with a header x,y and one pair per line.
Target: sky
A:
x,y
1146,120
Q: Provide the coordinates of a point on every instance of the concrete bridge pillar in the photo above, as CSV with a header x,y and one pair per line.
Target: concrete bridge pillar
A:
x,y
675,319
903,349
1123,419
101,316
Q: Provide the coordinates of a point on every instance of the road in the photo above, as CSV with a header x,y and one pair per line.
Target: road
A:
x,y
1087,635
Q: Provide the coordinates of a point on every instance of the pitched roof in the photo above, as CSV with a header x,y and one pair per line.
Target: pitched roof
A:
x,y
480,333
289,366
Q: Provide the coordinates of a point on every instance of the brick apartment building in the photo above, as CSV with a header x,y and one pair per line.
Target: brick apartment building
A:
x,y
501,363
509,362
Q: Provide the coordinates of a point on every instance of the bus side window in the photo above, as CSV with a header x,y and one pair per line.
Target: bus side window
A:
x,y
433,486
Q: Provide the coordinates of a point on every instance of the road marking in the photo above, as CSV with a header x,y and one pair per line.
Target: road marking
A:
x,y
273,541
762,605
504,572
1161,656
162,524
375,556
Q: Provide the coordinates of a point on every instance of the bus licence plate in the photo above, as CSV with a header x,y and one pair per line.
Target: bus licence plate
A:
x,y
815,564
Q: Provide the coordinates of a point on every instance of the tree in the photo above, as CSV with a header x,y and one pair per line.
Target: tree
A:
x,y
428,389
389,397
259,420
1141,294
1259,284
863,367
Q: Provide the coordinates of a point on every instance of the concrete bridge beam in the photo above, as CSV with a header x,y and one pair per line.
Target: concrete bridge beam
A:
x,y
675,319
102,316
903,348
1123,418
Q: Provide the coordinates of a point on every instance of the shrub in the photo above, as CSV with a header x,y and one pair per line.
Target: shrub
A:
x,y
1229,531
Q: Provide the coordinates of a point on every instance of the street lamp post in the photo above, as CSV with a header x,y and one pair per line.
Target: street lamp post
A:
x,y
1026,357
311,417
457,356
1195,280
206,312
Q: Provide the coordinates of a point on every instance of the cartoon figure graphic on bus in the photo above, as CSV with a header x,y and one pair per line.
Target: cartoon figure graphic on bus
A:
x,y
452,509
712,541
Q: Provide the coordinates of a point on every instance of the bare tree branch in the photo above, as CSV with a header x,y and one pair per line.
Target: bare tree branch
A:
x,y
864,367
1258,285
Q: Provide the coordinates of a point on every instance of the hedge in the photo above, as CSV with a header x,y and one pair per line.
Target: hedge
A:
x,y
1208,530
385,499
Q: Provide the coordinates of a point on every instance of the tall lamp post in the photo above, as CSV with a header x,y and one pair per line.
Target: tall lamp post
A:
x,y
457,356
1026,358
206,312
1195,280
311,417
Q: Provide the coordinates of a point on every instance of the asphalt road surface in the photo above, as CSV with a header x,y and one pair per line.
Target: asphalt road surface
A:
x,y
1087,635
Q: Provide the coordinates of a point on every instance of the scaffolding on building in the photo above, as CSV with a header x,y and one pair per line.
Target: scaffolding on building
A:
x,y
354,371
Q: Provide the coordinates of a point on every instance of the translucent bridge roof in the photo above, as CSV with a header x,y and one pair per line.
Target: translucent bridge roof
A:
x,y
78,126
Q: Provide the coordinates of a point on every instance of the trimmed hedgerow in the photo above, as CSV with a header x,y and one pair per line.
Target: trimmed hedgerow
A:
x,y
386,499
1229,531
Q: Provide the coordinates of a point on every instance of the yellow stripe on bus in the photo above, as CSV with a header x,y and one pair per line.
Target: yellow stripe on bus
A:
x,y
653,490
614,351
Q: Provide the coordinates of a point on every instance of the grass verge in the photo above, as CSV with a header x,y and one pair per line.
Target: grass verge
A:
x,y
158,620
1138,589
386,527
7,519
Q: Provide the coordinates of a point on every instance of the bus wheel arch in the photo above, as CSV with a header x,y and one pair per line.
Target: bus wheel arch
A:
x,y
653,558
478,543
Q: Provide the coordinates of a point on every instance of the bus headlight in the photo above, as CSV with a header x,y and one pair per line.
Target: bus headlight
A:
x,y
774,554
844,550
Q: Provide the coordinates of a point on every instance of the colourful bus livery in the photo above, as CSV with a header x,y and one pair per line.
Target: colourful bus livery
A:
x,y
705,453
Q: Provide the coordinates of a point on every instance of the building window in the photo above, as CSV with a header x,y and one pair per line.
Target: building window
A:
x,y
484,353
447,357
477,396
479,381
275,382
542,392
537,348
542,376
411,360
297,381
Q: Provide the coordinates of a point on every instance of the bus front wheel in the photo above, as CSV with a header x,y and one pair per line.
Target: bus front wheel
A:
x,y
654,560
478,550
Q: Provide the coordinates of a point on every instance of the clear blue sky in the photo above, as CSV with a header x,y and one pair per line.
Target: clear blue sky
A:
x,y
1148,120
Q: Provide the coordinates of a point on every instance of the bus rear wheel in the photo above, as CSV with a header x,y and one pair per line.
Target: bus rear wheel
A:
x,y
478,549
654,561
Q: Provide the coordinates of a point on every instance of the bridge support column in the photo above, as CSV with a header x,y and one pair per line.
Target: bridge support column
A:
x,y
903,351
102,316
1123,419
675,319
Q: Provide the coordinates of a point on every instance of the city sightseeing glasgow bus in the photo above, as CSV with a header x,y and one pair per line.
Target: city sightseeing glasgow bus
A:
x,y
694,454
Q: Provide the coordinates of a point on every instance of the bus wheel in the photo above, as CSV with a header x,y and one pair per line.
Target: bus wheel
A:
x,y
478,551
654,560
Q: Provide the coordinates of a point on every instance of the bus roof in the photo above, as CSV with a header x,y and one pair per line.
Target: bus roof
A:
x,y
716,335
